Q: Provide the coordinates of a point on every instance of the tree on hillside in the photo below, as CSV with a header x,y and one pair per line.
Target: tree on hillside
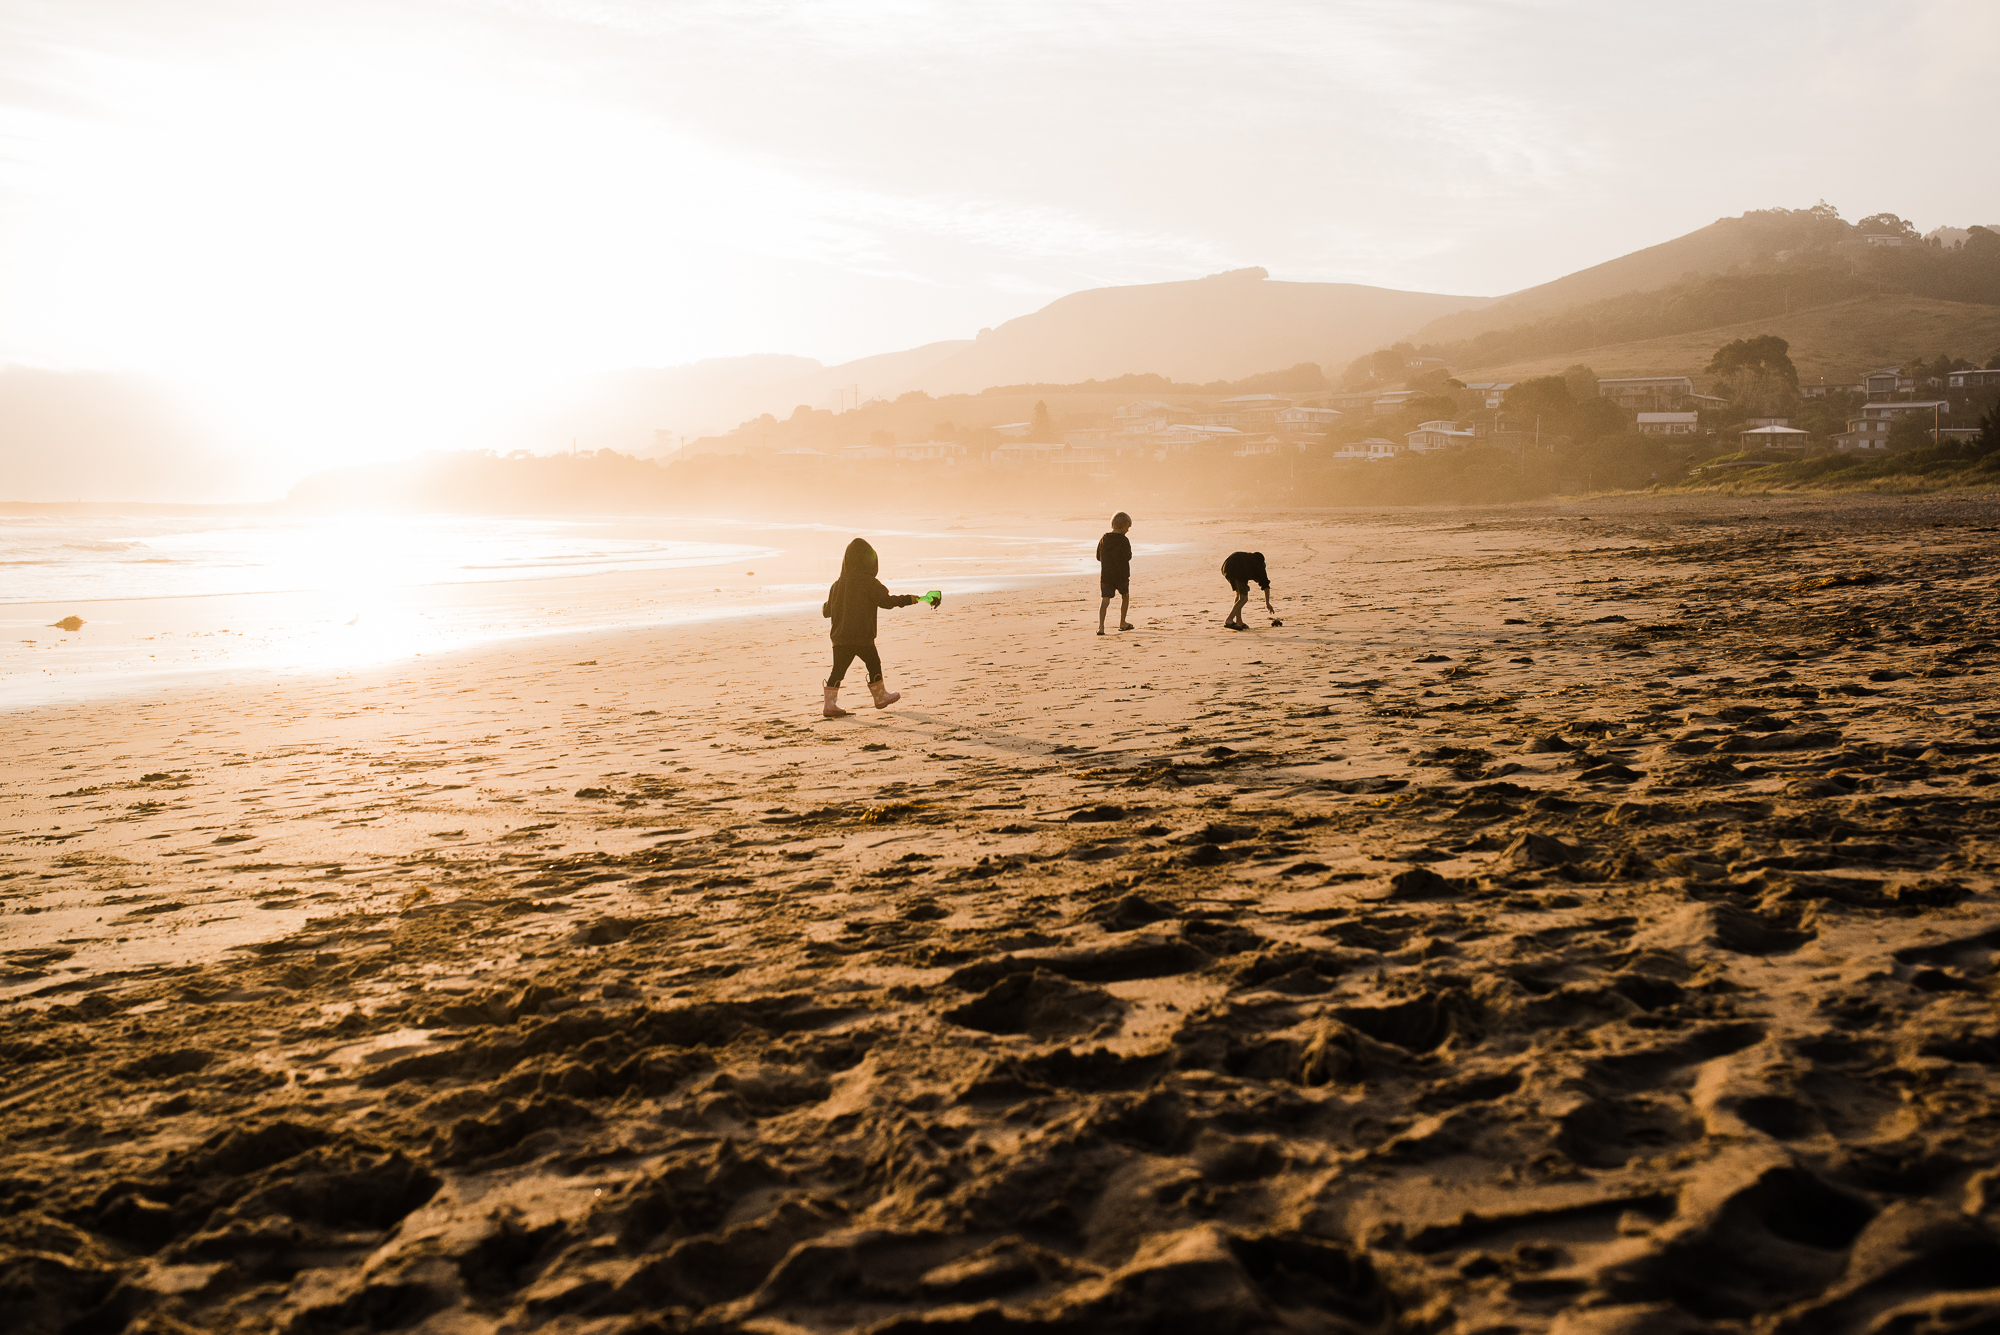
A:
x,y
1910,433
1766,353
1545,396
1379,369
1582,382
1041,429
1547,399
1756,375
1884,224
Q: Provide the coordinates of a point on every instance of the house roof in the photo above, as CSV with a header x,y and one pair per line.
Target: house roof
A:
x,y
1669,417
1776,431
1258,399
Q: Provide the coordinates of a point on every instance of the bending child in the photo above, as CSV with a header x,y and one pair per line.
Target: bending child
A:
x,y
1114,575
1239,570
851,602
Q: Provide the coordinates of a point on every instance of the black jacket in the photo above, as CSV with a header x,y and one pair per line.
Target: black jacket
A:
x,y
1114,553
851,602
1243,567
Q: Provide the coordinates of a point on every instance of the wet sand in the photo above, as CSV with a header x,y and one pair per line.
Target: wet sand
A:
x,y
1572,918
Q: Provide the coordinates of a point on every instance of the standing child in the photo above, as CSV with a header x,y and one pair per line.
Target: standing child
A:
x,y
1239,570
1114,575
851,602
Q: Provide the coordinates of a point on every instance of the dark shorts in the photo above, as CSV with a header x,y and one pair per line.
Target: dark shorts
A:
x,y
1110,585
1241,586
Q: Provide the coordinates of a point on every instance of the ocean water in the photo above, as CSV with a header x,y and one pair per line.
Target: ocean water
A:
x,y
167,596
57,559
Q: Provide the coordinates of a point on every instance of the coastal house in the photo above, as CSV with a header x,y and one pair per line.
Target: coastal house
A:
x,y
1246,411
860,453
799,456
1869,428
1891,412
1257,445
1394,399
1704,402
1494,390
1439,436
1774,438
1646,394
1824,390
1189,437
1887,383
1972,379
1861,437
948,450
1669,424
1015,430
1296,419
1359,401
1147,415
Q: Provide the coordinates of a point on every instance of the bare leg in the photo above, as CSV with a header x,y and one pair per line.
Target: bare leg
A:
x,y
1124,606
1235,617
1103,606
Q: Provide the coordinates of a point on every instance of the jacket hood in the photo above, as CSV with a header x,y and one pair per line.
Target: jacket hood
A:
x,y
859,561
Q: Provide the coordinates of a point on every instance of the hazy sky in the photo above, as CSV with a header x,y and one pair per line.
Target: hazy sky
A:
x,y
366,216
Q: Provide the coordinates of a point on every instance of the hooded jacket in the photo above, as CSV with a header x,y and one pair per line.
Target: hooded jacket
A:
x,y
1243,567
855,596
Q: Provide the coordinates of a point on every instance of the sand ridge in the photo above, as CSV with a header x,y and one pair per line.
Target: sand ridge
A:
x,y
1570,918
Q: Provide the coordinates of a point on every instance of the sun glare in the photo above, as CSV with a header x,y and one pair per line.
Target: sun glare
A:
x,y
365,253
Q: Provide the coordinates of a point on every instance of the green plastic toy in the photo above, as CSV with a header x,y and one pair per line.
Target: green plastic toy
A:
x,y
933,598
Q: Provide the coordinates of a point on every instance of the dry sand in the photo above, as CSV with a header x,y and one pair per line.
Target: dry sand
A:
x,y
1571,918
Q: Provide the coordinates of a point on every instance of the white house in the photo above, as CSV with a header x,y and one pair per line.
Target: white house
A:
x,y
1372,450
948,450
854,453
1439,436
1774,437
1669,424
1494,390
1307,419
1015,430
1972,379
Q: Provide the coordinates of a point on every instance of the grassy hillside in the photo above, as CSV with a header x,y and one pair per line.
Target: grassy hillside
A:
x,y
1217,328
1755,240
1836,342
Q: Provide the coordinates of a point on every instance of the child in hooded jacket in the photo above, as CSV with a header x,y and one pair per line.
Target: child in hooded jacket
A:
x,y
852,603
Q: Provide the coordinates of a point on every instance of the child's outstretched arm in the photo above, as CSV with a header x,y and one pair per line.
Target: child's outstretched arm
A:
x,y
886,599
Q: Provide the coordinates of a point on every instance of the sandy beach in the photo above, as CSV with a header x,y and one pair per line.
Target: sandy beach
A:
x,y
1574,917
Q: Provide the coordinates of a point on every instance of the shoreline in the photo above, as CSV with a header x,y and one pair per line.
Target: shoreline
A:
x,y
1555,905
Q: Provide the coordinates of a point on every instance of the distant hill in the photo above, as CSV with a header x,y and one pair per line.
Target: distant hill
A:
x,y
1203,330
1759,238
1223,327
1836,342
